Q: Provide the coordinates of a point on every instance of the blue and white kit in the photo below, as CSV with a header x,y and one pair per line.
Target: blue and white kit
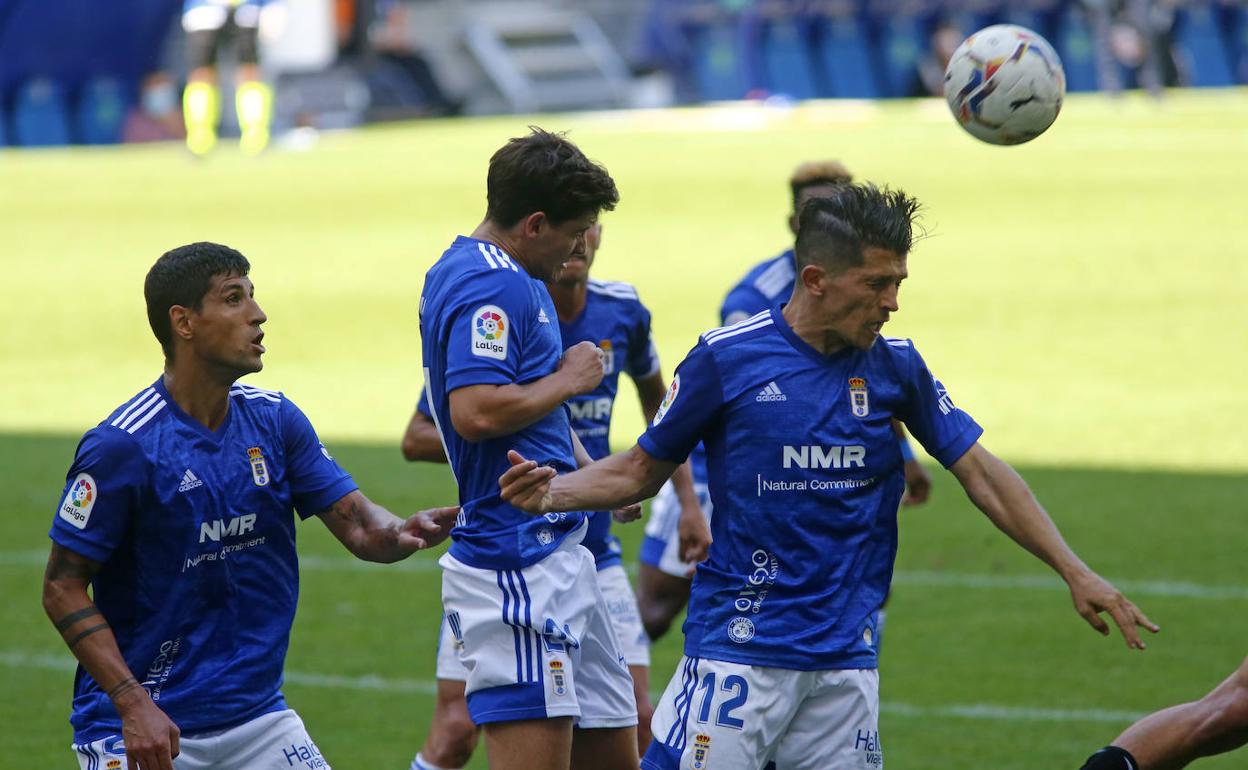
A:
x,y
805,475
195,530
532,631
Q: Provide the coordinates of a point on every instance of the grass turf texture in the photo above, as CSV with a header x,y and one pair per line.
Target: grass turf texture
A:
x,y
1083,296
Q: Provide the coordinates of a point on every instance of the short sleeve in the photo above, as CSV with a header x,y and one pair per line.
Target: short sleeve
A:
x,y
643,355
693,402
316,479
741,303
422,403
102,491
486,332
944,430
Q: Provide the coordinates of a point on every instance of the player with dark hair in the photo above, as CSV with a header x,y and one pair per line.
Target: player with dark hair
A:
x,y
1175,737
780,659
609,314
206,23
520,595
676,532
179,514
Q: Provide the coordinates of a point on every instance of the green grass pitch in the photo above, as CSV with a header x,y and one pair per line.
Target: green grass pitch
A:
x,y
1083,296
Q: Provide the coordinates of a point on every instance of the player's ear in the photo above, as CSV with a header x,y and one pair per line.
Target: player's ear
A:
x,y
793,223
534,223
180,322
813,279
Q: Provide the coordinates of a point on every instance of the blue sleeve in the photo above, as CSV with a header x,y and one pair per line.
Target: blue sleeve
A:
x,y
422,404
486,333
316,479
693,403
741,303
102,490
944,430
643,356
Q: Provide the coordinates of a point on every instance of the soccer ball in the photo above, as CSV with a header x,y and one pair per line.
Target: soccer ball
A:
x,y
1005,84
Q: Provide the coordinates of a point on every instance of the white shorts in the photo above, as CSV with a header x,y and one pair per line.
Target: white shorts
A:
x,y
621,606
730,716
274,741
660,548
537,642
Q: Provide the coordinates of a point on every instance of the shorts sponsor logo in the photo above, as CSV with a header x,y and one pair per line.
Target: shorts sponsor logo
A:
x,y
868,742
558,678
858,396
78,502
701,750
490,327
740,630
259,471
673,390
304,754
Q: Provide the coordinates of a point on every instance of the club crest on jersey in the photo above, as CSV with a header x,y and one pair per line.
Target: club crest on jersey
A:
x,y
672,391
259,471
740,630
858,396
701,749
557,677
608,357
490,327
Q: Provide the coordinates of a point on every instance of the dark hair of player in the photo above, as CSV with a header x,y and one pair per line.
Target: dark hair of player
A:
x,y
832,232
545,172
183,276
819,173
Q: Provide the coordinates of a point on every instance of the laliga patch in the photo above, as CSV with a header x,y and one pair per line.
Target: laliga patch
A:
x,y
701,750
672,391
858,396
490,327
78,502
259,471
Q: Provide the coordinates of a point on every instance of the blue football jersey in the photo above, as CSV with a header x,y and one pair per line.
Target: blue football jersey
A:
x,y
484,320
766,285
805,476
615,320
196,533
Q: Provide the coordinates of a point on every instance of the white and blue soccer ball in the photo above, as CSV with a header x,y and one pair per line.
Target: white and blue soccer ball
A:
x,y
1005,84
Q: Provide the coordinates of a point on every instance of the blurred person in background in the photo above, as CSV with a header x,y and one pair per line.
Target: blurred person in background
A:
x,y
945,39
206,23
156,118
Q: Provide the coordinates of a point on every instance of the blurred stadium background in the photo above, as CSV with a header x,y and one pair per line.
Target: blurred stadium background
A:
x,y
1085,296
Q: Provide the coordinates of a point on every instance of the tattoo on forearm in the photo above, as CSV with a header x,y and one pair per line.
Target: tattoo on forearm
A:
x,y
73,642
122,687
63,564
73,617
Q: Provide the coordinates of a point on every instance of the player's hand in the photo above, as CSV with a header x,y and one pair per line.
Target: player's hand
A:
x,y
627,514
526,485
695,535
151,738
425,529
1094,594
584,364
918,484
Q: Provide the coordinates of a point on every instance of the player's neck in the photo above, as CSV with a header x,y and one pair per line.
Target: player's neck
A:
x,y
569,299
205,398
800,316
489,232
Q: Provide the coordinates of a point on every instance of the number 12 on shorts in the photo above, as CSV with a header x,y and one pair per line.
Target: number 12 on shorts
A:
x,y
733,684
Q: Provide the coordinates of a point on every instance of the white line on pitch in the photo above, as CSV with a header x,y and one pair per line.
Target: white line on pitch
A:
x,y
376,683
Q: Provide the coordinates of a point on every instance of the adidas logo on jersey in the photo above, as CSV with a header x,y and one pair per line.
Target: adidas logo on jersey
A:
x,y
771,393
189,481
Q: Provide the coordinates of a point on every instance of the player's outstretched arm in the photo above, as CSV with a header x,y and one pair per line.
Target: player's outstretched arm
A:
x,y
373,533
480,412
421,442
612,482
151,738
997,490
918,480
694,533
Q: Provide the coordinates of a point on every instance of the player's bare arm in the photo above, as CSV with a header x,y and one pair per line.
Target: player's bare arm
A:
x,y
997,490
918,480
694,532
623,514
421,442
151,738
373,533
612,482
480,412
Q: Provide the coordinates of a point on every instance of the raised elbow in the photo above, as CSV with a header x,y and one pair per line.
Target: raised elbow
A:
x,y
476,426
